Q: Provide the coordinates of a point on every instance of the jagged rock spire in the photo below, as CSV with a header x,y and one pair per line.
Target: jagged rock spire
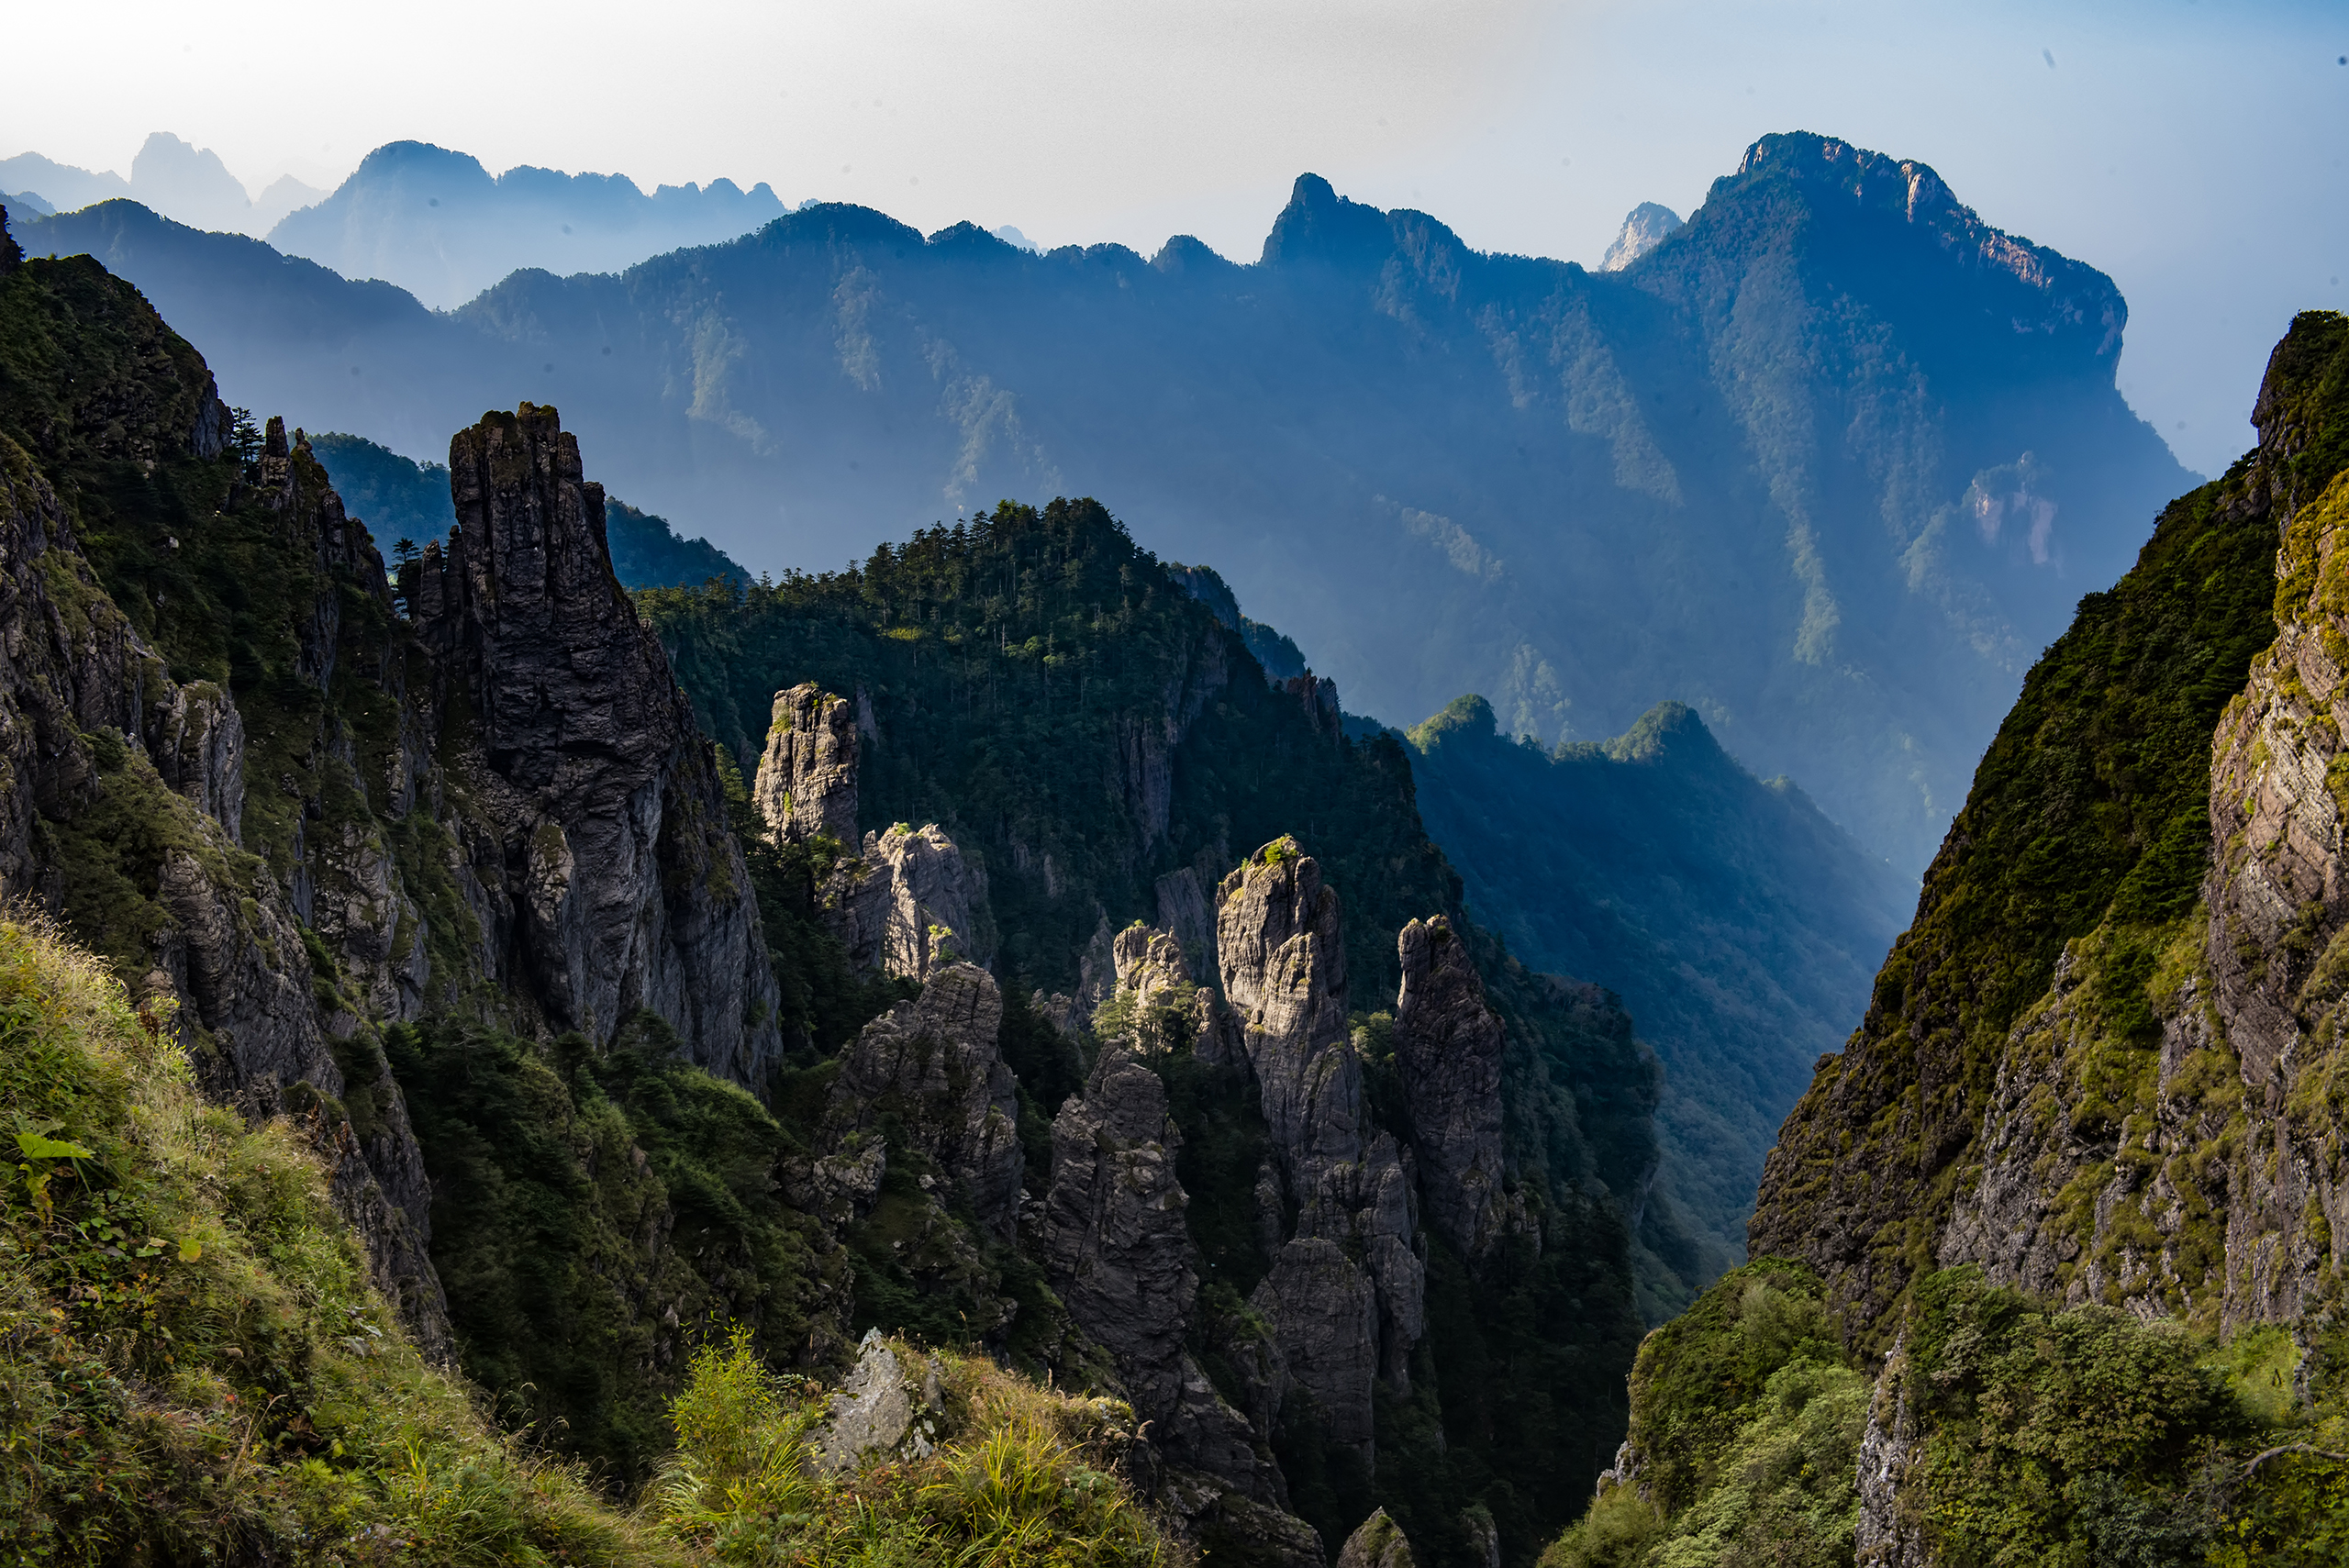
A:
x,y
806,781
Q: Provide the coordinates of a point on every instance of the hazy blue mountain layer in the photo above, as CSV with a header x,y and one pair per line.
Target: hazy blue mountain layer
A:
x,y
186,183
1831,462
1741,926
439,224
399,499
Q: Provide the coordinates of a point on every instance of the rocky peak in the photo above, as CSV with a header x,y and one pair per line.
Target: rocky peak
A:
x,y
912,902
935,1065
613,883
1377,1542
1116,1246
1283,958
1646,226
1447,1052
1345,1293
807,779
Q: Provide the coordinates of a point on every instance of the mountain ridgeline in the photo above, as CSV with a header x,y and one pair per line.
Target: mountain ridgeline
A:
x,y
671,992
1829,462
2048,1261
1741,926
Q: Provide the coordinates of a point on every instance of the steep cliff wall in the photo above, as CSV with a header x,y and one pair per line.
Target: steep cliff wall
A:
x,y
2080,1168
242,773
2087,833
613,882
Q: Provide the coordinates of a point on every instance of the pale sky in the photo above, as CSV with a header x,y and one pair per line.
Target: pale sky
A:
x,y
2194,151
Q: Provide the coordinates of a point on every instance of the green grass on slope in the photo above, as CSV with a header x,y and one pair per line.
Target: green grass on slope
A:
x,y
593,1212
1019,1476
2093,799
192,1365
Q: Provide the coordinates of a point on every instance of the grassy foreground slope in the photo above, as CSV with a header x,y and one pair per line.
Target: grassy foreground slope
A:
x,y
192,1363
194,1368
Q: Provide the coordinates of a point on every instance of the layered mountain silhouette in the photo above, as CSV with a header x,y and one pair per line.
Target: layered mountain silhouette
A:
x,y
186,182
1830,462
1741,928
441,225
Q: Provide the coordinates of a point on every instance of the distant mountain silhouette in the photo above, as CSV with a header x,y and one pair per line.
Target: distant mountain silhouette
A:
x,y
186,183
440,225
1830,463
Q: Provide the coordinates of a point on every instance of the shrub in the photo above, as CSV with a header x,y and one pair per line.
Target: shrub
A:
x,y
1022,1477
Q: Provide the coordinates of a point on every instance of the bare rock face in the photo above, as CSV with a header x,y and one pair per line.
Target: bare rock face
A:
x,y
611,881
1345,1294
1324,1311
807,779
1284,963
1377,1542
1114,1244
1448,1051
935,1065
1885,1538
1114,1240
912,903
884,1410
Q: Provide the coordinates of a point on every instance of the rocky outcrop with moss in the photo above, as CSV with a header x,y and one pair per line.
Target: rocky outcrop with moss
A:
x,y
807,778
934,1067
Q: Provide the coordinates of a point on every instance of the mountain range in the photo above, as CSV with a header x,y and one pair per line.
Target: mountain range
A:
x,y
433,222
1829,462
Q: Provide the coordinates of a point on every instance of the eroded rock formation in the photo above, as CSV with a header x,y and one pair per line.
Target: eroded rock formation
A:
x,y
1448,1053
601,863
934,1066
807,779
1345,1293
911,903
141,773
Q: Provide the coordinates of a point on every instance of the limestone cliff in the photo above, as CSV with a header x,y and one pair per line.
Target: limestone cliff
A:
x,y
910,902
1448,1046
906,901
933,1066
2053,1045
2100,1068
122,789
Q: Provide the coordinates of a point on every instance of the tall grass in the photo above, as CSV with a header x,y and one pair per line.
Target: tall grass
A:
x,y
193,1366
1022,1477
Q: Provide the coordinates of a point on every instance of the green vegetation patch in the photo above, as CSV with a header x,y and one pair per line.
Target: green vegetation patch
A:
x,y
192,1364
1746,1418
1019,1474
593,1213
